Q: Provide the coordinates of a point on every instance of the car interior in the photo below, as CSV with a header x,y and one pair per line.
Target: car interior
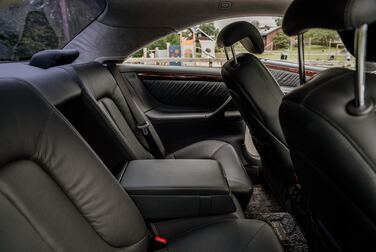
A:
x,y
101,155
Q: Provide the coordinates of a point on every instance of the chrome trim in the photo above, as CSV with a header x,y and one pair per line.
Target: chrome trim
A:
x,y
234,55
361,50
226,53
302,75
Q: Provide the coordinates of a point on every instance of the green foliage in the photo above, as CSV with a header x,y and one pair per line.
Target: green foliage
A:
x,y
281,41
278,21
173,39
321,36
37,35
209,29
30,26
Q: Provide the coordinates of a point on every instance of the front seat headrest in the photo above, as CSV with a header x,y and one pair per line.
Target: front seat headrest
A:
x,y
348,39
243,32
328,14
50,58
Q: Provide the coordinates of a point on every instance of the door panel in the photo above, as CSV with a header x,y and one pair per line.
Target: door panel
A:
x,y
187,105
188,93
190,104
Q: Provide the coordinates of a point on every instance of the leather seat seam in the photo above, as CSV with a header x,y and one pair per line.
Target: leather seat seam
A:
x,y
202,226
322,84
103,119
217,150
253,237
27,219
75,133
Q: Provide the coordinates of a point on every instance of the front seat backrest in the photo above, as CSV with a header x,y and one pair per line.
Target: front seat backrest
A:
x,y
258,97
53,188
333,142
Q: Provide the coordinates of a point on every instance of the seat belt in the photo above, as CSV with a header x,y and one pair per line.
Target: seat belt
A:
x,y
137,114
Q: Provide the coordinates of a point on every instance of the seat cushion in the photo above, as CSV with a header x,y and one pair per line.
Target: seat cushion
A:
x,y
226,236
239,182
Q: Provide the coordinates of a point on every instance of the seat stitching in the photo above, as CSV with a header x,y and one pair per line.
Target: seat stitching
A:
x,y
28,220
323,84
216,222
216,151
103,119
253,237
241,166
53,109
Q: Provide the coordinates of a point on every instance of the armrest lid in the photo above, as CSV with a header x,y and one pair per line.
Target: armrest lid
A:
x,y
174,177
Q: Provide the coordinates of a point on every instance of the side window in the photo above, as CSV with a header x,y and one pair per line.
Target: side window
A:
x,y
29,26
196,46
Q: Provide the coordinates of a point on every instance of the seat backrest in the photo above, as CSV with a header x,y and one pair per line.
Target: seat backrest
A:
x,y
335,156
258,97
106,98
333,146
55,193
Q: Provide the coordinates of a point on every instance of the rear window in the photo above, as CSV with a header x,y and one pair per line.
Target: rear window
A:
x,y
29,26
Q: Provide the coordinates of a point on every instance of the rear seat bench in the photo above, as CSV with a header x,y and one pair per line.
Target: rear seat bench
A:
x,y
56,194
105,98
90,98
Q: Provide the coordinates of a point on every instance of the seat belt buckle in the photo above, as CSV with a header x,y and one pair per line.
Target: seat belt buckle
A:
x,y
160,239
144,128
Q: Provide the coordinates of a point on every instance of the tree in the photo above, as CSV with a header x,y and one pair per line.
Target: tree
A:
x,y
321,36
209,29
173,39
281,41
278,21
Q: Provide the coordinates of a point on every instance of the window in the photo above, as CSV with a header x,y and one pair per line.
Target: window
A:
x,y
29,26
196,46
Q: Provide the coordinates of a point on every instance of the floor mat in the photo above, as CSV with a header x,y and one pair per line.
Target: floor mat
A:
x,y
264,207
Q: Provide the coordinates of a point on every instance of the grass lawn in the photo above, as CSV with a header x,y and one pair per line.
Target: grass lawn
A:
x,y
314,55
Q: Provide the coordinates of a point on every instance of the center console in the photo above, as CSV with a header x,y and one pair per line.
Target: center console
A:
x,y
166,189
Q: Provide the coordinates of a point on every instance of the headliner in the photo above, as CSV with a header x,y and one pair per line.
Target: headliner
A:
x,y
128,25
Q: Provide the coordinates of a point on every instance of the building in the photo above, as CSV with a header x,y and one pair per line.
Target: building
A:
x,y
267,26
269,35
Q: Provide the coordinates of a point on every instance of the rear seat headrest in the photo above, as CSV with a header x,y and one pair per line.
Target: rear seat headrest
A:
x,y
50,58
243,32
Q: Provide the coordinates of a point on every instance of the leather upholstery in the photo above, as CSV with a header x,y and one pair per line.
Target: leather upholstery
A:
x,y
188,93
335,157
106,99
285,79
56,195
50,58
49,175
175,177
239,235
165,189
258,97
245,33
225,154
336,15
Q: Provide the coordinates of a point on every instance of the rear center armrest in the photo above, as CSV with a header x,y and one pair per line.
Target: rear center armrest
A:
x,y
177,188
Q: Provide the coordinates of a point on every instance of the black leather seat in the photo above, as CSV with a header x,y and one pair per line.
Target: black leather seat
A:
x,y
258,97
56,194
332,144
106,100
